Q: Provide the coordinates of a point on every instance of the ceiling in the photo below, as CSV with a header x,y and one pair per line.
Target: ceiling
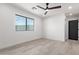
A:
x,y
40,12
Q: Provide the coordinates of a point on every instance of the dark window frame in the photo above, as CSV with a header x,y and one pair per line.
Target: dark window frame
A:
x,y
26,22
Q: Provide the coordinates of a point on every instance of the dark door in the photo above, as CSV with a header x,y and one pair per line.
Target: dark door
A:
x,y
73,30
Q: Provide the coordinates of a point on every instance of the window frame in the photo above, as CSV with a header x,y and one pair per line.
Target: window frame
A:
x,y
33,24
26,23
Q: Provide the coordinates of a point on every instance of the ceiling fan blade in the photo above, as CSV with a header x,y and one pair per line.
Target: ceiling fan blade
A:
x,y
45,13
40,7
56,7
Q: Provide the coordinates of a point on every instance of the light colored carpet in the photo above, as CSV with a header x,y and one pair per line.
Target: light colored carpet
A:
x,y
43,47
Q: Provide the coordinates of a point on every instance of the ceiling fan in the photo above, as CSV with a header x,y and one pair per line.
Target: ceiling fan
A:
x,y
47,8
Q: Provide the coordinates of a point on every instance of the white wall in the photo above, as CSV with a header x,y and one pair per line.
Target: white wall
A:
x,y
8,35
54,27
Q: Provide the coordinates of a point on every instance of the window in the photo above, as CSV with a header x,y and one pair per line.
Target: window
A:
x,y
24,23
20,23
29,24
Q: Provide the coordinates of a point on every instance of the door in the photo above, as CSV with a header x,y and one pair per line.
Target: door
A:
x,y
73,30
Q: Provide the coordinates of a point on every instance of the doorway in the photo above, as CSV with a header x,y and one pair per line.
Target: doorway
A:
x,y
73,30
